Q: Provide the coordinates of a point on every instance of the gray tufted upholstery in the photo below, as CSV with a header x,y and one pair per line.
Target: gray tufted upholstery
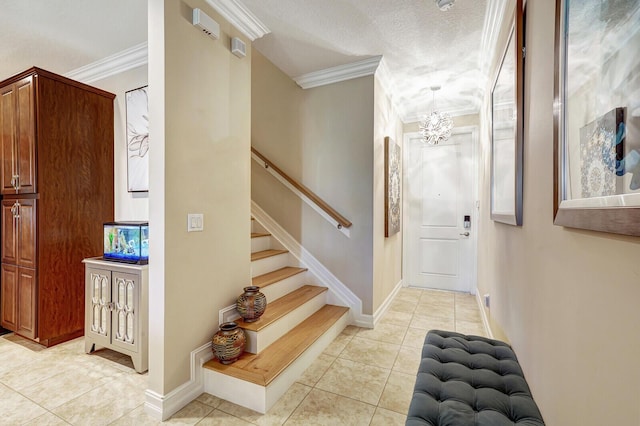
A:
x,y
470,380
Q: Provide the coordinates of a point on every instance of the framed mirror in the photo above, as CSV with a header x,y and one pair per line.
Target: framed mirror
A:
x,y
507,128
597,116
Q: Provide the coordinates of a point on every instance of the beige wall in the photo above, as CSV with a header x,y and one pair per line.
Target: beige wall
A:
x,y
128,205
387,252
323,138
200,124
567,300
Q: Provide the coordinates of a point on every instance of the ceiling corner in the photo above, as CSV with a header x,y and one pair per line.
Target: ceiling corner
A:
x,y
240,17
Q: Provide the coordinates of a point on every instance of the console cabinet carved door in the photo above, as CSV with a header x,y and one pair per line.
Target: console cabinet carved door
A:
x,y
116,309
18,168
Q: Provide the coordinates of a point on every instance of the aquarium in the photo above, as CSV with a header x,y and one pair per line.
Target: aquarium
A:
x,y
127,242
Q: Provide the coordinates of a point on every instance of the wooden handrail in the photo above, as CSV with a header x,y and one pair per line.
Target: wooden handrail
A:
x,y
342,221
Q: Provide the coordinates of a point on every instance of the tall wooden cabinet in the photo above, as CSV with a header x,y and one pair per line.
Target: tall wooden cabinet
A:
x,y
56,172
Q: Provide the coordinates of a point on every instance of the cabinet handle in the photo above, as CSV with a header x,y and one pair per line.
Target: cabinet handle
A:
x,y
111,306
15,182
15,210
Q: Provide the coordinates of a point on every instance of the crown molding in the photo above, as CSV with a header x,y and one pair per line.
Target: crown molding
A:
x,y
493,19
339,73
415,117
240,17
111,65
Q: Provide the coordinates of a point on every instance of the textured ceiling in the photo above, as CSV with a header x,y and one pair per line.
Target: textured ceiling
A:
x,y
421,45
62,35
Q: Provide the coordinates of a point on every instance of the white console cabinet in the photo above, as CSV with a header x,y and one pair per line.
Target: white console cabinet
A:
x,y
116,309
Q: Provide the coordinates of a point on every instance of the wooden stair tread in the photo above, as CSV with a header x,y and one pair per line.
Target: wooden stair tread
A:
x,y
259,234
280,307
266,253
275,276
262,368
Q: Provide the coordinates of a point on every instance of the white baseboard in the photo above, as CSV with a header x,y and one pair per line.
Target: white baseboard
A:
x,y
338,292
483,314
161,407
387,302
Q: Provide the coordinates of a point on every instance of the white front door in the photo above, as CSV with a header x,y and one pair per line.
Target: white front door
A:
x,y
439,191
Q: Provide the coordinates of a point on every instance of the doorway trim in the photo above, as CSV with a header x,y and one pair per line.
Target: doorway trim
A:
x,y
473,130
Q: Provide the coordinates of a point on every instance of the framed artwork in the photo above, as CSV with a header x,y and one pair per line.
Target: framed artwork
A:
x,y
507,128
391,187
597,116
137,104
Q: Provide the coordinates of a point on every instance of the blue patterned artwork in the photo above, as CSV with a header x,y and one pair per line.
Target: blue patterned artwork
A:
x,y
601,154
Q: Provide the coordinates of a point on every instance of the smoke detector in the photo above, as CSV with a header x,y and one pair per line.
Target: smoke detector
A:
x,y
445,5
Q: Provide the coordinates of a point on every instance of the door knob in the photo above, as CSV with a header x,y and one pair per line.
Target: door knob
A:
x,y
466,234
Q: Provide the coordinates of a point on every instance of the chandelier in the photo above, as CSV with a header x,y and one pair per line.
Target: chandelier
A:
x,y
435,127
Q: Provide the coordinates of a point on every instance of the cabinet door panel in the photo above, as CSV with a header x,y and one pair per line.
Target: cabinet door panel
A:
x,y
27,233
9,234
98,306
7,136
27,303
26,140
8,295
125,319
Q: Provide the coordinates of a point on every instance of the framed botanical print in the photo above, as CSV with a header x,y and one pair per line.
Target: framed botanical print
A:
x,y
137,104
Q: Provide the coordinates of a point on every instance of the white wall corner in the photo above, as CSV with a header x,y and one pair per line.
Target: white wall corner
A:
x,y
161,407
384,307
339,293
338,73
483,314
388,84
240,17
125,60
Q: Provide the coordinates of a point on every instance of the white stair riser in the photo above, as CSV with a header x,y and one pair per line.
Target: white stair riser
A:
x,y
269,264
260,243
259,398
258,341
278,289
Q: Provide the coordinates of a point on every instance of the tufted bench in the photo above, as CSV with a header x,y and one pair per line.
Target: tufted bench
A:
x,y
470,380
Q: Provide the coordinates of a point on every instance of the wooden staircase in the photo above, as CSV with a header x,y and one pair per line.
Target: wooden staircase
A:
x,y
295,328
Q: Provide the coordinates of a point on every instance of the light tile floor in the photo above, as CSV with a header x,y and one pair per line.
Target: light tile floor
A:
x,y
365,377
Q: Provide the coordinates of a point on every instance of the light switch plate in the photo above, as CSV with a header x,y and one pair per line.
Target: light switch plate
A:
x,y
195,222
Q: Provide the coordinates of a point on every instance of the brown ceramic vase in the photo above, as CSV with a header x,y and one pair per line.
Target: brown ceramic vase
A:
x,y
228,343
251,304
